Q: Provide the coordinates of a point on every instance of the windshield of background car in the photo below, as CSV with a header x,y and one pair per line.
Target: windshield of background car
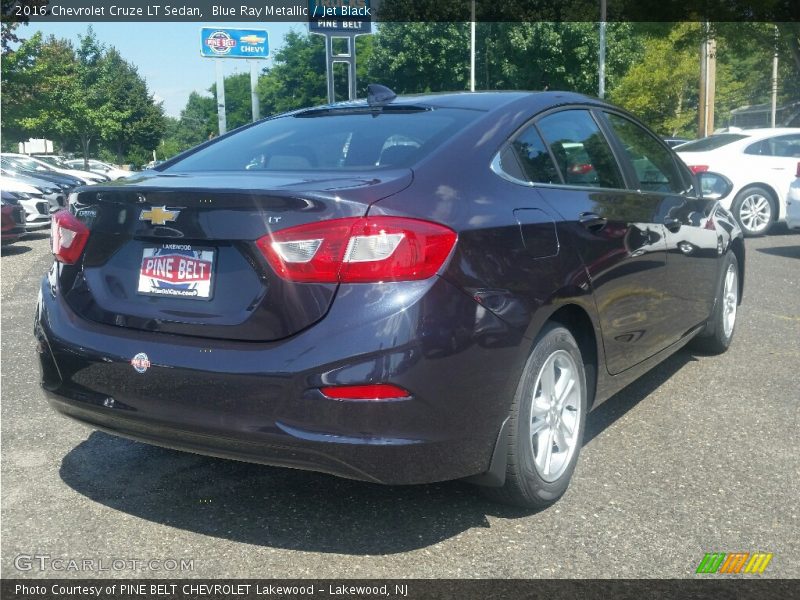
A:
x,y
27,163
332,140
712,142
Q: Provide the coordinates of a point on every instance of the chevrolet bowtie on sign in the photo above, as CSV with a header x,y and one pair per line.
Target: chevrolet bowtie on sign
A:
x,y
159,215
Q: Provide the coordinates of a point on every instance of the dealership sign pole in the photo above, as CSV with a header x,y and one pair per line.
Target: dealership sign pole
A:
x,y
340,19
222,42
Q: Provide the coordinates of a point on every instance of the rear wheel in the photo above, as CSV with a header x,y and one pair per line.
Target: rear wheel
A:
x,y
546,423
722,323
754,210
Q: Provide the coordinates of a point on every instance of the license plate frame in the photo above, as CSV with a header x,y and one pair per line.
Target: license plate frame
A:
x,y
177,271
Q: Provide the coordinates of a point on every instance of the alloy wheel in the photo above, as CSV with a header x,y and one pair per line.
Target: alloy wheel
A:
x,y
555,415
755,213
730,298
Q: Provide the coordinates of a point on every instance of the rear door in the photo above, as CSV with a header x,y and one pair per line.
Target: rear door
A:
x,y
616,230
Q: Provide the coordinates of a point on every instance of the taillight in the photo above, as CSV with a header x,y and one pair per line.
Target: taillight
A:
x,y
375,391
581,169
359,250
68,237
797,174
698,168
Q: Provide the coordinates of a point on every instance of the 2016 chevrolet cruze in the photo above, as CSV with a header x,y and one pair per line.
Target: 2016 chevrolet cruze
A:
x,y
399,290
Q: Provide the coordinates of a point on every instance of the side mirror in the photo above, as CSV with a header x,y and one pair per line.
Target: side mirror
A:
x,y
714,186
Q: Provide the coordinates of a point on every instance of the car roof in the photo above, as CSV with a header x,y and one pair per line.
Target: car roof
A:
x,y
766,131
485,101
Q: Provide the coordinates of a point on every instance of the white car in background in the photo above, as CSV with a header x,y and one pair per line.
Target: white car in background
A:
x,y
761,164
37,208
31,163
793,202
97,166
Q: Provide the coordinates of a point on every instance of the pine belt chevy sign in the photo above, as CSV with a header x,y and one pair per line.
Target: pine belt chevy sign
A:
x,y
222,42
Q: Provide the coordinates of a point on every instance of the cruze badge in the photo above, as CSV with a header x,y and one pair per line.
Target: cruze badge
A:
x,y
159,215
140,362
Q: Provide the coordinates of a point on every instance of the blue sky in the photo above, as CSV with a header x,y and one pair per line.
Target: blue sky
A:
x,y
166,54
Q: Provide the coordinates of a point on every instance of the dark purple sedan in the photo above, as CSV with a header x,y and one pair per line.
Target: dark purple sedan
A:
x,y
399,290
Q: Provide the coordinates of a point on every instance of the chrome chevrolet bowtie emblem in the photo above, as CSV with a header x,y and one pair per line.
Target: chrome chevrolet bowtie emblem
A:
x,y
159,215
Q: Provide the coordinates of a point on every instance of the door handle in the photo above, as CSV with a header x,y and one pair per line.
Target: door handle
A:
x,y
672,224
592,221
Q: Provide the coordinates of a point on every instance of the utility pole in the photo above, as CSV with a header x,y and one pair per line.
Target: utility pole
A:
x,y
254,91
774,109
472,49
223,126
708,76
601,68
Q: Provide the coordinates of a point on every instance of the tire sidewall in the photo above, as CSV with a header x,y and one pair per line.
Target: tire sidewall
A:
x,y
553,339
719,312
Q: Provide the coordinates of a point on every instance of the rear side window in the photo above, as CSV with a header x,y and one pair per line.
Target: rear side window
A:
x,y
712,142
786,146
332,140
653,164
581,152
534,158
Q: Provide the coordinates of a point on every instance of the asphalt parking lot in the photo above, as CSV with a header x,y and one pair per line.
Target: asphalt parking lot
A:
x,y
701,455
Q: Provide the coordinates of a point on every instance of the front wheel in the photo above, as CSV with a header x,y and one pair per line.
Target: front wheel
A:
x,y
546,424
722,323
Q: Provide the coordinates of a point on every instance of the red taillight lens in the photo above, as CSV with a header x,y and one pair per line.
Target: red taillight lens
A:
x,y
581,169
797,174
68,237
375,391
698,168
359,250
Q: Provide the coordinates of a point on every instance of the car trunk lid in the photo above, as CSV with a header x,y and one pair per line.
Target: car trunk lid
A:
x,y
175,253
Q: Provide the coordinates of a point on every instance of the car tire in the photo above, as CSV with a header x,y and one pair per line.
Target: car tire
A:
x,y
549,406
721,325
755,210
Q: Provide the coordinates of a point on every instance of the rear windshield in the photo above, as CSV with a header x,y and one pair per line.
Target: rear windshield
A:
x,y
712,142
331,140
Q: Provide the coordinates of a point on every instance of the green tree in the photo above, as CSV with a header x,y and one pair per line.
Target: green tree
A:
x,y
50,76
661,88
197,123
129,117
238,106
86,95
297,77
19,79
431,57
421,57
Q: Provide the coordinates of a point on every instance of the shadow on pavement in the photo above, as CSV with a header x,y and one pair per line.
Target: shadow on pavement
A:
x,y
297,510
266,506
784,251
620,403
14,249
781,229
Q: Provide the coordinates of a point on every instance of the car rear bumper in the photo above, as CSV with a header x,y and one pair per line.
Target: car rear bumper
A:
x,y
260,402
793,207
